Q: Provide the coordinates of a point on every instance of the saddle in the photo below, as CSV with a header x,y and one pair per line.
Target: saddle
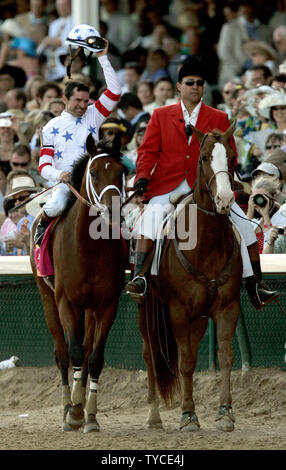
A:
x,y
43,258
165,230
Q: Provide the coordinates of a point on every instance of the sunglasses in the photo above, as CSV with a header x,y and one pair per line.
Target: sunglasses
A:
x,y
194,82
19,164
21,198
278,108
268,147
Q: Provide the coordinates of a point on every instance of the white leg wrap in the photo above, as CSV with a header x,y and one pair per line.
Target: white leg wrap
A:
x,y
91,406
77,390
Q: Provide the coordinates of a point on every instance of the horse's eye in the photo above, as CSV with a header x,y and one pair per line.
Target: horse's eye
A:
x,y
204,158
93,173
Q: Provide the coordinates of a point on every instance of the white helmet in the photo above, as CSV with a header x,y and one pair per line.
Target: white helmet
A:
x,y
86,36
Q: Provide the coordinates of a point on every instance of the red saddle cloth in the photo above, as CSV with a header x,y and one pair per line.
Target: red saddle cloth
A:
x,y
43,260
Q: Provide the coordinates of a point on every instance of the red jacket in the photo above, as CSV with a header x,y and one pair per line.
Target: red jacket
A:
x,y
166,151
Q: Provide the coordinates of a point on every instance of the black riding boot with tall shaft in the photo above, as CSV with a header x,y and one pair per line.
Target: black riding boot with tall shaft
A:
x,y
42,226
138,285
259,294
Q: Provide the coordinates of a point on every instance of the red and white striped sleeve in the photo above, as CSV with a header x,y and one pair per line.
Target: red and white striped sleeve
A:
x,y
46,166
109,97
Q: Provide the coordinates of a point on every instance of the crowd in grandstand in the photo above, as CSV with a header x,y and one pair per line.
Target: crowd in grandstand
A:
x,y
242,46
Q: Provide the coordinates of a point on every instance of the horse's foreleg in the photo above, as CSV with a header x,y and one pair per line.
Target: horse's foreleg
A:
x,y
104,322
154,419
73,325
188,336
60,347
225,326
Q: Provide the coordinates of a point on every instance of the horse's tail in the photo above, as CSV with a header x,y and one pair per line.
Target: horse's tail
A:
x,y
163,347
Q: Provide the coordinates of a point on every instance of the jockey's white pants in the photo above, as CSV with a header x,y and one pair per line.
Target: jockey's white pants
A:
x,y
56,204
159,207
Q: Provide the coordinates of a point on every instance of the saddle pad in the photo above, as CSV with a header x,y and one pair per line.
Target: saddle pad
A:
x,y
43,260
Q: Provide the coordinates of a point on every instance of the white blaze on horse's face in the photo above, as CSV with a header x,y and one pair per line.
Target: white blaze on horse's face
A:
x,y
224,196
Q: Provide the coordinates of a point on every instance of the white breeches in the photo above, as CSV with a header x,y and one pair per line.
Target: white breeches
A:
x,y
58,200
159,207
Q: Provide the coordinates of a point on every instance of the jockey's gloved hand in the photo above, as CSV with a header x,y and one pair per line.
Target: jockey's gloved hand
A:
x,y
141,185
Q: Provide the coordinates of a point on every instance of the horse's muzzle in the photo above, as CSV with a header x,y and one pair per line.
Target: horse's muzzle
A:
x,y
224,203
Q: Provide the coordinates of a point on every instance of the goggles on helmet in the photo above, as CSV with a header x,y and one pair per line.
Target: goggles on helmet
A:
x,y
93,42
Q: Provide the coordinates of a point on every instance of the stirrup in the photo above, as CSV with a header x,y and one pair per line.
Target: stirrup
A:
x,y
39,234
272,295
138,297
50,281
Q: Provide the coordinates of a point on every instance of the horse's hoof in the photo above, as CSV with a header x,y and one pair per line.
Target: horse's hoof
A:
x,y
225,424
225,418
155,425
91,424
189,422
67,427
75,416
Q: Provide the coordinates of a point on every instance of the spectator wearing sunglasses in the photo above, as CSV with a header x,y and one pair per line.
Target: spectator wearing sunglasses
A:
x,y
273,108
167,164
21,160
21,187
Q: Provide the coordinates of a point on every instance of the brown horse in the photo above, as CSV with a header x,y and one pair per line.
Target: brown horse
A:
x,y
195,284
89,277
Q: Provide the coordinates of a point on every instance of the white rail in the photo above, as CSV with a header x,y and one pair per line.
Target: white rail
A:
x,y
275,264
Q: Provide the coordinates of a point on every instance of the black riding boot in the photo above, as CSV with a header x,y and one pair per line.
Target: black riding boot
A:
x,y
138,286
259,294
42,226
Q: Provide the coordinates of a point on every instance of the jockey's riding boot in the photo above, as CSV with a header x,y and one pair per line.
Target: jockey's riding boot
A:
x,y
43,224
259,293
138,285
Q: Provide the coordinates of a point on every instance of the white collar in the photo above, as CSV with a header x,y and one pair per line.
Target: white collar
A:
x,y
193,116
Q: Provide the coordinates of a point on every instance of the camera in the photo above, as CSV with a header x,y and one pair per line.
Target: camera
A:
x,y
260,200
281,230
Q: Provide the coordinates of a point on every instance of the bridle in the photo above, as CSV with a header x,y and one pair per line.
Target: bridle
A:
x,y
90,189
209,183
94,199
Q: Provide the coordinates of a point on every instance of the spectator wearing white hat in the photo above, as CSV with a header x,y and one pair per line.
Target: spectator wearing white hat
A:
x,y
10,133
273,108
261,53
271,171
22,186
263,208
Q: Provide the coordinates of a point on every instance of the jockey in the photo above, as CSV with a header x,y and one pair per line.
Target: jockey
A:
x,y
64,137
167,163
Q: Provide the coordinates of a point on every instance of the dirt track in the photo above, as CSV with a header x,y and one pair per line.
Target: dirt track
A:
x,y
30,413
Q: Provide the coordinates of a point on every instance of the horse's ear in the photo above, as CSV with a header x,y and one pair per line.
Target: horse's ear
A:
x,y
198,134
116,144
90,145
228,133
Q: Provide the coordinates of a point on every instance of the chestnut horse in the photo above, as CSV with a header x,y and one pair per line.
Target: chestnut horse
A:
x,y
193,285
89,277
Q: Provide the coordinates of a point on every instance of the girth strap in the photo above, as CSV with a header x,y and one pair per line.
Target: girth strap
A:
x,y
201,278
